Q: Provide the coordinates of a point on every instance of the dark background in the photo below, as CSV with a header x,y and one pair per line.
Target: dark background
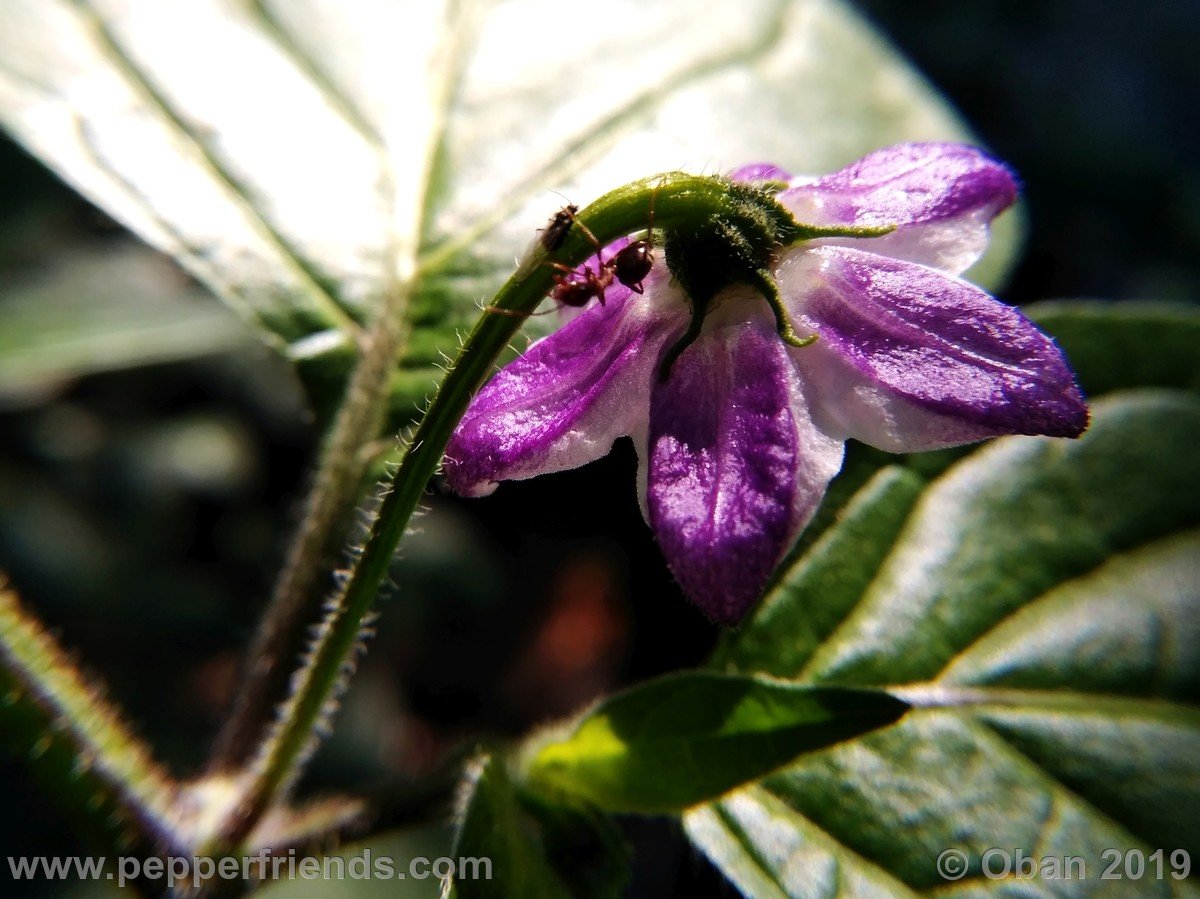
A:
x,y
154,566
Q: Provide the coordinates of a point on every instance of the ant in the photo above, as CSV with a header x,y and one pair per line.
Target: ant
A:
x,y
630,266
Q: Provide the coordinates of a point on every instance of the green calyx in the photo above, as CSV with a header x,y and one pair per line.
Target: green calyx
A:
x,y
736,244
715,233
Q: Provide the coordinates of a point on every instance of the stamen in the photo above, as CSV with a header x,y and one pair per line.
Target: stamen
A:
x,y
801,231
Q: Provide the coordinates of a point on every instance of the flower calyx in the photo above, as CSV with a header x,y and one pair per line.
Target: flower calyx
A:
x,y
738,244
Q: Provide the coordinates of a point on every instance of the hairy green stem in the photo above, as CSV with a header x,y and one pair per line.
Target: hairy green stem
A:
x,y
75,742
328,512
677,200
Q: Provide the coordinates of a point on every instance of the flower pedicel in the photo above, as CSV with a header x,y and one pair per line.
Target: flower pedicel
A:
x,y
759,349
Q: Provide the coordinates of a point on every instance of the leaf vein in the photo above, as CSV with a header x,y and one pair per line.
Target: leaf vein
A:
x,y
260,11
306,275
589,144
1108,558
1051,782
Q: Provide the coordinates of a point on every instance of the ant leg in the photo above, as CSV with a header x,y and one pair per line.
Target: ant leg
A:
x,y
587,233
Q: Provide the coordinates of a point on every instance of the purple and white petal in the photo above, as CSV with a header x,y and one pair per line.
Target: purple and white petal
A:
x,y
940,197
910,359
735,467
759,171
565,400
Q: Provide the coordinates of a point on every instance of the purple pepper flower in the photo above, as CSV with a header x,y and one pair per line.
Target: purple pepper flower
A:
x,y
739,442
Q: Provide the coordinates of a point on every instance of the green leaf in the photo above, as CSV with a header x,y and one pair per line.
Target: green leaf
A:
x,y
95,311
1038,604
788,627
537,849
1114,346
688,737
337,156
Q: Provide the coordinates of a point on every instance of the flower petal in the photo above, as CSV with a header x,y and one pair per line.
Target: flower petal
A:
x,y
910,359
940,197
735,465
564,402
759,171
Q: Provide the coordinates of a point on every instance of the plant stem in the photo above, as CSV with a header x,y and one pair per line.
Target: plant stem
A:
x,y
676,199
328,512
75,742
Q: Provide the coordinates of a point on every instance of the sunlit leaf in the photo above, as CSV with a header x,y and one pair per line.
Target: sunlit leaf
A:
x,y
688,737
534,849
308,160
1038,603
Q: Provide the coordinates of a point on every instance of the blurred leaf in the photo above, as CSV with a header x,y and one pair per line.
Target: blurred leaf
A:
x,y
688,737
97,311
1040,603
339,154
1131,344
536,849
75,743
